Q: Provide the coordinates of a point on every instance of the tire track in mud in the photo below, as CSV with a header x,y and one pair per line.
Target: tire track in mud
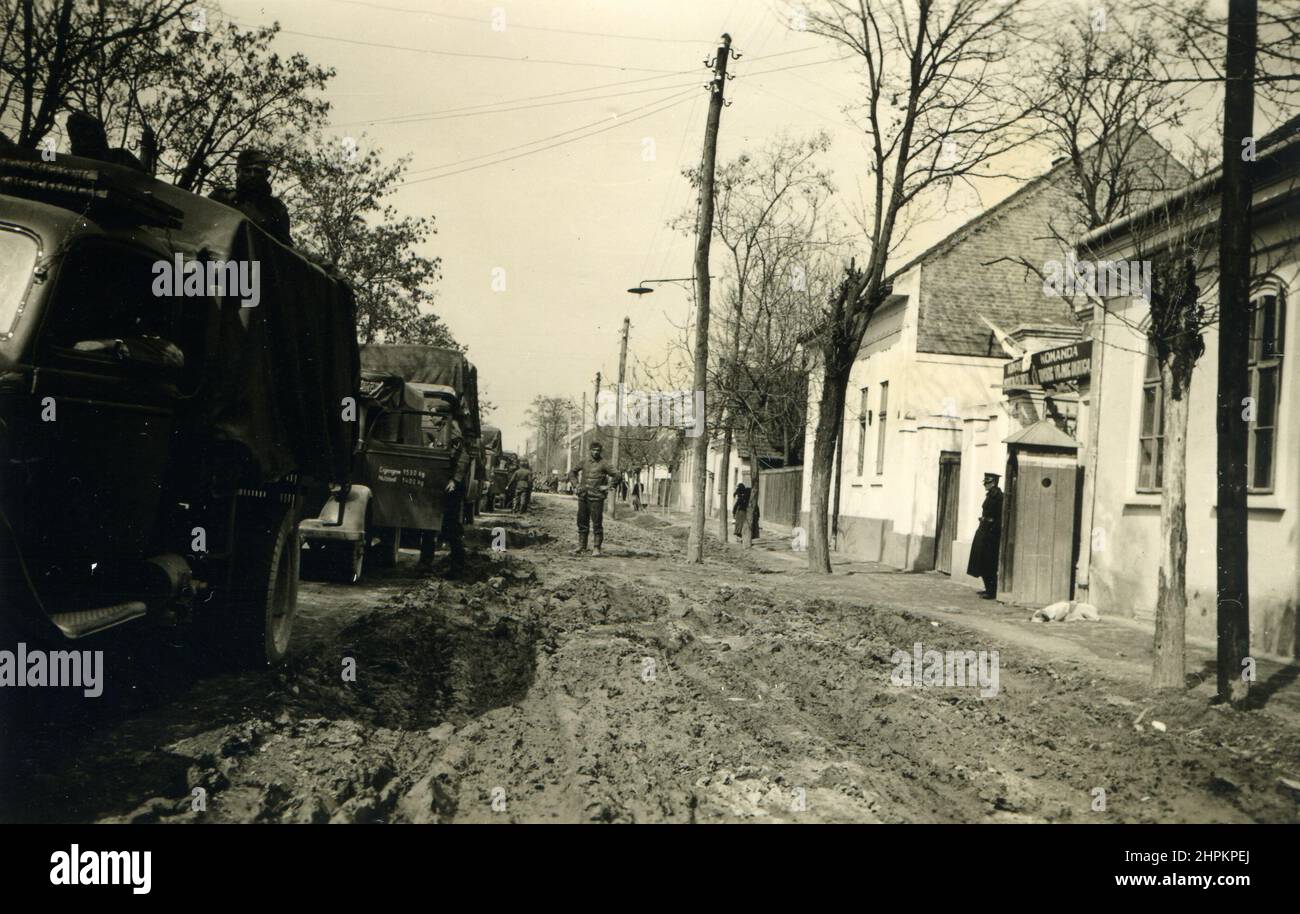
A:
x,y
635,688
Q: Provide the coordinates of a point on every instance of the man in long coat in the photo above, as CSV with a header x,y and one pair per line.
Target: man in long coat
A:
x,y
988,539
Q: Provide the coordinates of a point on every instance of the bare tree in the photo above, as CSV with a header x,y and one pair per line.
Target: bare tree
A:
x,y
549,418
939,106
763,200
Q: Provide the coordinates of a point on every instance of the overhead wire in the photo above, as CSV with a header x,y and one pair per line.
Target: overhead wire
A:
x,y
551,146
543,139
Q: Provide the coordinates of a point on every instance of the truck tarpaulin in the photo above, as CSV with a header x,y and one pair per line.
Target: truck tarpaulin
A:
x,y
275,374
286,366
430,365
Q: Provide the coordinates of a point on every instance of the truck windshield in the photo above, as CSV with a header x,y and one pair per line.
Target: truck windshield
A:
x,y
17,257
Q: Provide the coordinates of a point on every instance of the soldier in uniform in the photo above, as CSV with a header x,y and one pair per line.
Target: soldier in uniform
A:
x,y
252,194
593,476
453,505
988,539
522,480
87,138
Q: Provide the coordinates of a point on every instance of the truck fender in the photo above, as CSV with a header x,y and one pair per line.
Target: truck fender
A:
x,y
328,526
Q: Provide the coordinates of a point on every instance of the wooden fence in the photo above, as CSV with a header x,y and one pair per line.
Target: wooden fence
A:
x,y
779,496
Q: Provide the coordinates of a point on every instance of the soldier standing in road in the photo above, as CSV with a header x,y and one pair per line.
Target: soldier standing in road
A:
x,y
594,476
252,194
522,481
453,504
988,539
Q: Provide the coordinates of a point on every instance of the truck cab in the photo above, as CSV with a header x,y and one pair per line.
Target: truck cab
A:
x,y
156,435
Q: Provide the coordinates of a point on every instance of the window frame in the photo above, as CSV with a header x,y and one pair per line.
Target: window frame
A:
x,y
54,318
1258,363
1151,381
20,305
862,429
882,428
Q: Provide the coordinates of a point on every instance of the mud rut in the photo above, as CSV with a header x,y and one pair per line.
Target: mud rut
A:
x,y
632,688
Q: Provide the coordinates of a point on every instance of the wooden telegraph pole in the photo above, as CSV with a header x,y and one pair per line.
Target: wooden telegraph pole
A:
x,y
1234,350
618,413
703,236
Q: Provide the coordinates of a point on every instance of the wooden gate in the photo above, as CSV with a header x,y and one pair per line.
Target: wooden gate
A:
x,y
945,528
1039,529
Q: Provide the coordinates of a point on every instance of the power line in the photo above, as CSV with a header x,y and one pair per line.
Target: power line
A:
x,y
663,209
551,146
512,25
396,47
487,108
553,136
525,98
422,118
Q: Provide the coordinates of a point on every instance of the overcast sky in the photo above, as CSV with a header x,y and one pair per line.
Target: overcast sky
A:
x,y
572,226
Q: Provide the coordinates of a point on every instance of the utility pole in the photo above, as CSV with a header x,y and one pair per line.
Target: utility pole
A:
x,y
595,409
618,413
703,237
1233,557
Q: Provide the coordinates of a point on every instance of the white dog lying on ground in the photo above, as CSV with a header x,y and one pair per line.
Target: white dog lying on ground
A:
x,y
1067,611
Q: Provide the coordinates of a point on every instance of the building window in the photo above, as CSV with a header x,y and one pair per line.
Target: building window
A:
x,y
1151,438
862,430
1268,326
880,429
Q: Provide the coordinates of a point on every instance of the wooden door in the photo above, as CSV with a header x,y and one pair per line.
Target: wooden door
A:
x,y
1044,521
945,528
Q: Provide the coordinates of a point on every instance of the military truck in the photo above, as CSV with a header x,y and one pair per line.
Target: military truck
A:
x,y
507,463
409,398
171,380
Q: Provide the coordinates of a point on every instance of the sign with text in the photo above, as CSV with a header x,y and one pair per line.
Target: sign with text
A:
x,y
1051,366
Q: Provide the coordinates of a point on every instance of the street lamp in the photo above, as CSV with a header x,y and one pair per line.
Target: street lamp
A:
x,y
644,287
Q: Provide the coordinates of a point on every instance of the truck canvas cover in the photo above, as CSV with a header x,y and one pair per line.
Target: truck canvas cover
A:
x,y
401,405
429,365
293,360
274,376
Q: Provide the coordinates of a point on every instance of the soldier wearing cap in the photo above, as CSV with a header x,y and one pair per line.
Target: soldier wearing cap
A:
x,y
252,194
988,539
522,482
593,476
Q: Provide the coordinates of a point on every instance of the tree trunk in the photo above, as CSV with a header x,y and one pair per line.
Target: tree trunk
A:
x,y
830,413
747,528
1169,669
1232,584
724,474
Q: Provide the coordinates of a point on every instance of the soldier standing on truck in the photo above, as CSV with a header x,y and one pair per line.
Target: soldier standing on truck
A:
x,y
593,476
252,194
453,526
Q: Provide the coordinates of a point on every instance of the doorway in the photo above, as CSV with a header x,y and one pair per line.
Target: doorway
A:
x,y
945,530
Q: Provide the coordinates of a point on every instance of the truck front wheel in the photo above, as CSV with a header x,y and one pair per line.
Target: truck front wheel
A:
x,y
255,619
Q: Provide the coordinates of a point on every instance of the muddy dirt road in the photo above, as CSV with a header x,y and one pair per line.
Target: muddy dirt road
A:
x,y
632,688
